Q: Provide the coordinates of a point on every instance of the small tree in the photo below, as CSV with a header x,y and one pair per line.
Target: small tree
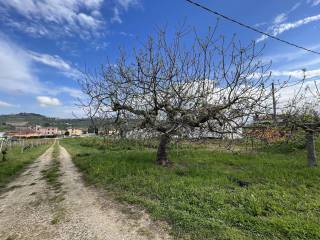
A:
x,y
303,112
170,87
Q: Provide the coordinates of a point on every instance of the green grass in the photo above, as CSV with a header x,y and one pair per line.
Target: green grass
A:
x,y
52,173
52,176
201,197
16,161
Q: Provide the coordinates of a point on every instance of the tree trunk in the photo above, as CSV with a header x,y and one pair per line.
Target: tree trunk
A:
x,y
310,144
162,155
122,133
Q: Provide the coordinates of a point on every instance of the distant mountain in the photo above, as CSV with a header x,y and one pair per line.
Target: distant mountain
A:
x,y
7,122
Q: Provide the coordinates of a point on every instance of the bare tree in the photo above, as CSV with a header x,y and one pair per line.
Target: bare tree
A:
x,y
170,86
303,112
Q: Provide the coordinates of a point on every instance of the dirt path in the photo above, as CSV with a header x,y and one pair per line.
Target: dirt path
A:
x,y
28,212
25,212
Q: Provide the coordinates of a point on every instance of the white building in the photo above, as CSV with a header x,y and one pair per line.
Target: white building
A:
x,y
2,136
46,131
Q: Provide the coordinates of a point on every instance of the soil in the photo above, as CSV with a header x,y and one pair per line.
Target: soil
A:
x,y
31,209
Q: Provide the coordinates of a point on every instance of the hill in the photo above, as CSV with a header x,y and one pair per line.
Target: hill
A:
x,y
6,121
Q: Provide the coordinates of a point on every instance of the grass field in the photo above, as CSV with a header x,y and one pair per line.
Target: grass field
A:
x,y
209,194
16,161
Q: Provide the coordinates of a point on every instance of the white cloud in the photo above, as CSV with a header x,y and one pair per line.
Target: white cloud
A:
x,y
55,18
299,74
281,28
73,92
5,104
314,2
127,3
122,4
294,60
291,56
116,16
101,45
67,111
285,95
303,63
280,18
88,21
284,16
125,34
93,4
57,62
16,75
46,101
58,18
53,61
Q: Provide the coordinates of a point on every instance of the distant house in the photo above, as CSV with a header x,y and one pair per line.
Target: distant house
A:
x,y
33,132
22,134
22,128
46,131
74,131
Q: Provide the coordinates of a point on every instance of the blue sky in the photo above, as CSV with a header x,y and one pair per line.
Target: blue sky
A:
x,y
44,44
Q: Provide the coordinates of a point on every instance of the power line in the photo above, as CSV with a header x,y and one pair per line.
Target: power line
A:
x,y
249,27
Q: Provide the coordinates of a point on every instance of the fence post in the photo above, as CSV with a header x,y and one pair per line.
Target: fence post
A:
x,y
251,143
1,145
22,146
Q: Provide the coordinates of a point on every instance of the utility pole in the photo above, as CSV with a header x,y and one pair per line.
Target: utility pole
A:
x,y
274,103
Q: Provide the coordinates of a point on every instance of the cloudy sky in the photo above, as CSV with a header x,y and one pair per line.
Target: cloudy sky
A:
x,y
46,44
